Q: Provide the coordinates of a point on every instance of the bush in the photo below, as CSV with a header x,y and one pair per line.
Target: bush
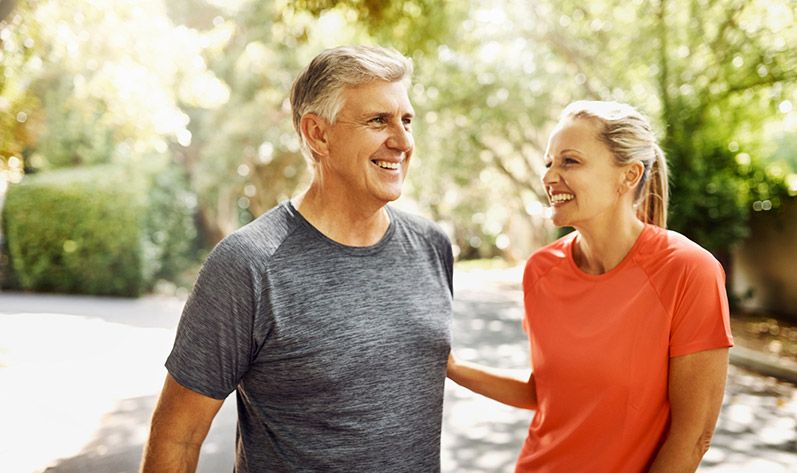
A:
x,y
93,230
170,232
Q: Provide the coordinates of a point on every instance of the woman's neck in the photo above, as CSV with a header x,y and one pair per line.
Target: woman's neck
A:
x,y
599,249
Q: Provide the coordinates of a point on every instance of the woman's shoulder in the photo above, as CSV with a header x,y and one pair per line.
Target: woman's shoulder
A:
x,y
670,250
546,257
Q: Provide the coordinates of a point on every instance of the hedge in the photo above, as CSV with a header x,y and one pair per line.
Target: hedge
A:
x,y
90,231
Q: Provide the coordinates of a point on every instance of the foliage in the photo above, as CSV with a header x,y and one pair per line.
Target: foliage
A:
x,y
246,157
711,74
96,76
170,241
97,230
410,26
205,84
717,108
76,231
18,107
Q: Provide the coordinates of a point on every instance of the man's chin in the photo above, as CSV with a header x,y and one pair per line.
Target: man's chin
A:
x,y
390,194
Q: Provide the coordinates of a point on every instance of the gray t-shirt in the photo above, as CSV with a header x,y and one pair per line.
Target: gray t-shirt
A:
x,y
338,354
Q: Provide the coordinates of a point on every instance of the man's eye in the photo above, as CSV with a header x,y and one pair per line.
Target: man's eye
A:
x,y
547,164
407,122
379,120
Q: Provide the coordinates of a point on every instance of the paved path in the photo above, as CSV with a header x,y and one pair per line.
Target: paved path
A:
x,y
79,378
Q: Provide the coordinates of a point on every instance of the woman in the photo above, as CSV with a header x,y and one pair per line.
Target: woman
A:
x,y
628,322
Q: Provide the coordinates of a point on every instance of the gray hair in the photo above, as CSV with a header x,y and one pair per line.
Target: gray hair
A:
x,y
630,138
319,88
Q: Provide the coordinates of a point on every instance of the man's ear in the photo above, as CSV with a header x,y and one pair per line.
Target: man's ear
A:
x,y
315,132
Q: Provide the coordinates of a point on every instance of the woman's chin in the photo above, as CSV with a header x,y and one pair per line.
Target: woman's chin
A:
x,y
560,221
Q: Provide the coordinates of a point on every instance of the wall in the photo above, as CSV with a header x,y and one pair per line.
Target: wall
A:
x,y
767,262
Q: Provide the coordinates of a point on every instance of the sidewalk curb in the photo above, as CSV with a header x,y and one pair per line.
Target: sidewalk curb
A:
x,y
768,365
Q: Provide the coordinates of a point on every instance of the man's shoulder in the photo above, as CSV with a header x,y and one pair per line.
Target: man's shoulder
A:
x,y
420,226
260,238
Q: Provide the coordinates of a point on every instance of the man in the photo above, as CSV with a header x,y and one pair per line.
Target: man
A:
x,y
330,314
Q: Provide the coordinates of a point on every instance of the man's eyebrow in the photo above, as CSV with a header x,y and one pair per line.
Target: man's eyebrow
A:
x,y
376,114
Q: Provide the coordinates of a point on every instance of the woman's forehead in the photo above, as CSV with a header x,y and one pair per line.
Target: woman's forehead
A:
x,y
574,133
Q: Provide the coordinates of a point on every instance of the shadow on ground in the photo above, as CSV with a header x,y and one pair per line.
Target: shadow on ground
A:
x,y
480,435
120,439
100,420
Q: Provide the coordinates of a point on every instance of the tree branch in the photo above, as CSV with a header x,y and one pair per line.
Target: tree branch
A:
x,y
531,184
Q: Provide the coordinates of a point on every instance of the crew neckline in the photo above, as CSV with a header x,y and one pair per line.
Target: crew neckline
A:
x,y
352,250
627,259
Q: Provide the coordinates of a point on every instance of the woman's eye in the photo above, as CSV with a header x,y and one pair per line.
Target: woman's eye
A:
x,y
569,160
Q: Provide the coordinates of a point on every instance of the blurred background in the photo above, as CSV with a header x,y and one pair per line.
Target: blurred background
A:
x,y
135,135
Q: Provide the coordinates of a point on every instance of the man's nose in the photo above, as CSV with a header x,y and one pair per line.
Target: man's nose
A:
x,y
401,139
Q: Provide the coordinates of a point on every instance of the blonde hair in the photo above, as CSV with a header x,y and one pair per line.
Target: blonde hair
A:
x,y
319,88
630,138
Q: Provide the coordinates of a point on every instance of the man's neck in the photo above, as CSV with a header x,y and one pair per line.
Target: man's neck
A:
x,y
342,220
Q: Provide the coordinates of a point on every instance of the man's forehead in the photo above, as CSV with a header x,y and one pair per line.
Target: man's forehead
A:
x,y
377,97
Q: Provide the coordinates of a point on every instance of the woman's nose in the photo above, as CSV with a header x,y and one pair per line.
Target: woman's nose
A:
x,y
550,176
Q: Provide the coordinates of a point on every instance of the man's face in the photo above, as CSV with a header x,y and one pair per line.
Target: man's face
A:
x,y
370,143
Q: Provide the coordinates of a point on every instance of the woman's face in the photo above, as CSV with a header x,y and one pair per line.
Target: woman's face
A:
x,y
583,182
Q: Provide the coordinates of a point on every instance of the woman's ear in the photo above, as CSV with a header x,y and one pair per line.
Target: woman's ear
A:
x,y
633,175
314,129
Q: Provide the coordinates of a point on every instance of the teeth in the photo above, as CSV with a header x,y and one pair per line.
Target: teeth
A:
x,y
387,165
556,198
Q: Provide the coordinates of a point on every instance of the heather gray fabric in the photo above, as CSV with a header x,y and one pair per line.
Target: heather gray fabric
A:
x,y
338,354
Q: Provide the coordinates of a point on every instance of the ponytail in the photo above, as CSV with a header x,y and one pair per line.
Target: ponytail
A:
x,y
655,193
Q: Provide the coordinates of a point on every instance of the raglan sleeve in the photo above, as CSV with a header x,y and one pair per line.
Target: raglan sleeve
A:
x,y
448,261
528,283
701,319
214,342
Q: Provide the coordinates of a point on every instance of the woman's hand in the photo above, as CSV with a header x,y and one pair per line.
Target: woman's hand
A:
x,y
452,365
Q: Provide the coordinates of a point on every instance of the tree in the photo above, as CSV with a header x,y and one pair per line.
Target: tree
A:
x,y
18,106
711,73
245,157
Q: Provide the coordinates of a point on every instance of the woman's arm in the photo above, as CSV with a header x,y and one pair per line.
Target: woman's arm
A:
x,y
493,383
696,387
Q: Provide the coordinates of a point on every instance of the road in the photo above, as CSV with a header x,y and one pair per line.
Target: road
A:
x,y
79,378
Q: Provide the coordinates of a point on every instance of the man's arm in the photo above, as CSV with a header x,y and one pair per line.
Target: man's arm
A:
x,y
180,423
696,387
498,385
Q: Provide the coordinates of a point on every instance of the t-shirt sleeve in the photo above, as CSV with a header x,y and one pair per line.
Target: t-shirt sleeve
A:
x,y
701,318
213,347
529,281
448,262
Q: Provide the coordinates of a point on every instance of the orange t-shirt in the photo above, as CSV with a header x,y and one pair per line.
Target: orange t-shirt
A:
x,y
601,344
